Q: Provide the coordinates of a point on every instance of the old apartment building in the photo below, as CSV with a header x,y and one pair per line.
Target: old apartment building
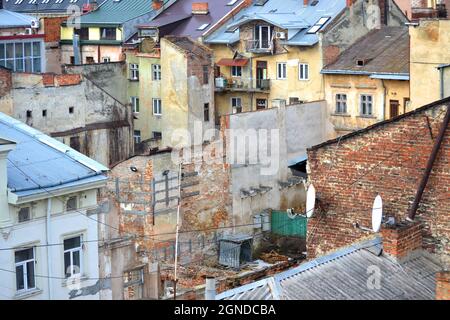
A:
x,y
369,82
170,88
48,216
102,32
72,108
262,55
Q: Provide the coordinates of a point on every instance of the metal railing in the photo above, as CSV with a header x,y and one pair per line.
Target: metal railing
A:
x,y
259,46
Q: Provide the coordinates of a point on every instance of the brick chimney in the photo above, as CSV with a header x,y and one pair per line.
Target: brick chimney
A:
x,y
305,3
384,11
200,8
443,285
402,239
349,3
157,4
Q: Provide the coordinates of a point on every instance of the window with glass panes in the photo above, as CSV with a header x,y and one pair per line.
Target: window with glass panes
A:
x,y
156,68
21,56
366,102
25,264
341,103
73,256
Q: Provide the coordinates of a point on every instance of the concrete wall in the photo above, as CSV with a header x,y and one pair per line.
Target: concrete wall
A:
x,y
300,126
429,43
110,77
97,119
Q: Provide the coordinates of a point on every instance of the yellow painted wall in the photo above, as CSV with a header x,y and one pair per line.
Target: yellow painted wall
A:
x,y
94,33
354,86
430,43
309,90
66,33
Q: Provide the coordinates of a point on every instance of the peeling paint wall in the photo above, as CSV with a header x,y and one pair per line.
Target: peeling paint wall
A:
x,y
77,112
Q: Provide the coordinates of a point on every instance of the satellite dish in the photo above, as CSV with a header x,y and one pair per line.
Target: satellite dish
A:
x,y
377,213
291,213
310,201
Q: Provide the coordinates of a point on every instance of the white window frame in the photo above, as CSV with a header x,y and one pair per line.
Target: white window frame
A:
x,y
30,58
281,70
260,38
71,252
134,71
135,102
137,137
157,107
235,106
303,69
156,72
234,71
339,102
361,102
24,264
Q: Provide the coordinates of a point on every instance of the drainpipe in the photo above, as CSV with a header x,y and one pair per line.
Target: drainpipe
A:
x,y
383,110
426,175
210,290
49,258
441,75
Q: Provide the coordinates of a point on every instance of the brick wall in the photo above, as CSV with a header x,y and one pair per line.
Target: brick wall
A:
x,y
52,28
5,82
389,160
443,285
402,239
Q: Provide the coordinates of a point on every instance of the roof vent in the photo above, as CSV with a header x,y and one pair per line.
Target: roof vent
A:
x,y
360,62
200,8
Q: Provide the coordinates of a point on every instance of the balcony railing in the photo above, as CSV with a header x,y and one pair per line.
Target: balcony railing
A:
x,y
257,46
223,84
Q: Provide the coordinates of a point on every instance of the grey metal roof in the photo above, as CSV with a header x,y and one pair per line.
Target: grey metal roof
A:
x,y
39,6
40,163
344,275
9,19
187,24
118,12
384,51
287,14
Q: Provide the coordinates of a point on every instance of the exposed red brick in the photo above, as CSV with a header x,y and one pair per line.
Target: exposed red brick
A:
x,y
402,239
388,160
157,4
48,79
67,79
5,81
52,28
443,285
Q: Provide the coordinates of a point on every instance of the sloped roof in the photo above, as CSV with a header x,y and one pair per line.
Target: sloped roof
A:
x,y
187,23
384,51
10,19
39,6
343,276
287,14
40,163
117,12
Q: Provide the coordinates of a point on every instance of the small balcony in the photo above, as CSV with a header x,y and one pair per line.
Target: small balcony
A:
x,y
255,85
256,46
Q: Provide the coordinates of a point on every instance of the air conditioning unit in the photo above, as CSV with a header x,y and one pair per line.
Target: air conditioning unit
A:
x,y
35,24
220,82
280,35
28,31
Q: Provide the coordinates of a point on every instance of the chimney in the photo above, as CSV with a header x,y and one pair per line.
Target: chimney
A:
x,y
402,239
384,11
349,3
1,4
152,281
210,290
305,3
443,285
94,5
157,4
200,8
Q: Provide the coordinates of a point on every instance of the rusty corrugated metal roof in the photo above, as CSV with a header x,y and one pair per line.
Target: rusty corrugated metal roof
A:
x,y
385,50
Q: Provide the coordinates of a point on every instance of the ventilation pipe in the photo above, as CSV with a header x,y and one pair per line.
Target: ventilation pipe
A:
x,y
210,290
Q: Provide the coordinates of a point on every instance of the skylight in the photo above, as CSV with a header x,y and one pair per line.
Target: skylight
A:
x,y
232,2
203,26
319,24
